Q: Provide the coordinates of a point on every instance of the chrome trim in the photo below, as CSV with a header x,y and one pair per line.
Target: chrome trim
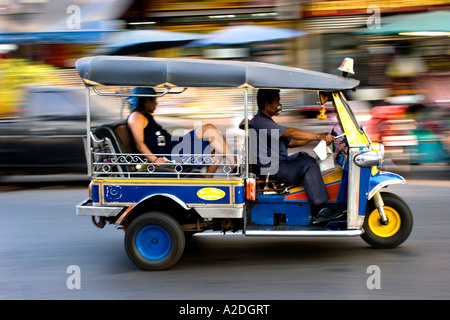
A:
x,y
305,233
88,132
220,212
354,221
369,159
86,208
170,196
157,95
246,136
112,164
379,204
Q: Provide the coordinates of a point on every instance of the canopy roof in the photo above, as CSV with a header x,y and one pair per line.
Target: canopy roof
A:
x,y
161,72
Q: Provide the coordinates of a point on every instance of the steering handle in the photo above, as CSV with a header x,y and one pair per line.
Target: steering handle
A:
x,y
339,135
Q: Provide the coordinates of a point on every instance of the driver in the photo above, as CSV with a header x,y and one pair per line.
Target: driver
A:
x,y
299,168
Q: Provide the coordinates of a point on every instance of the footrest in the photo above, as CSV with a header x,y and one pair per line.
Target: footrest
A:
x,y
299,231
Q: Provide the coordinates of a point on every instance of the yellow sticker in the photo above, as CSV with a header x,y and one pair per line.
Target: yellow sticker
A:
x,y
210,194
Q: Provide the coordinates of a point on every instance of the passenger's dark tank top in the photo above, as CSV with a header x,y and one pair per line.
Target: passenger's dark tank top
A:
x,y
156,138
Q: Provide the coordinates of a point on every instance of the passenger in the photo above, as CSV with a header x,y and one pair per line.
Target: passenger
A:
x,y
151,138
299,168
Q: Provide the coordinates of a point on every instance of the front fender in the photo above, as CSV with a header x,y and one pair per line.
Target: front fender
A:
x,y
381,180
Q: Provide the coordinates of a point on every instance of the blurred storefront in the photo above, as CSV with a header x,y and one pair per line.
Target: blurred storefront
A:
x,y
389,65
57,32
331,27
40,41
208,16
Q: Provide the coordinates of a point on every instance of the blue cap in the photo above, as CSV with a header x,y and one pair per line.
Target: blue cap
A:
x,y
138,90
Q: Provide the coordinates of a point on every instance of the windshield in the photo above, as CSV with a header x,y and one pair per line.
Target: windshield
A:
x,y
350,112
353,130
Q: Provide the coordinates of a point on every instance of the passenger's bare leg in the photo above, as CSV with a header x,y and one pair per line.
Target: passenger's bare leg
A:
x,y
217,141
210,170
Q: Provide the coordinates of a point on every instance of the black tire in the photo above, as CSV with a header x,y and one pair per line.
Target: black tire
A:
x,y
154,241
398,229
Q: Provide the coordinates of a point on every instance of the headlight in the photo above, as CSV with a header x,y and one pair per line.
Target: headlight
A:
x,y
369,159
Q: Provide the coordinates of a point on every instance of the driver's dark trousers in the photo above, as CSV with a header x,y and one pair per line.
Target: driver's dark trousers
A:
x,y
302,169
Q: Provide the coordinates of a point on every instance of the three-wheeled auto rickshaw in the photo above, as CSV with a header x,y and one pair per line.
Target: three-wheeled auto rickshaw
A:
x,y
158,205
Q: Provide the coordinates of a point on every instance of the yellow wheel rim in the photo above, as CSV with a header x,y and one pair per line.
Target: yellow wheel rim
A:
x,y
388,230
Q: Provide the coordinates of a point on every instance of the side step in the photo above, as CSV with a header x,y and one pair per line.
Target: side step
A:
x,y
299,231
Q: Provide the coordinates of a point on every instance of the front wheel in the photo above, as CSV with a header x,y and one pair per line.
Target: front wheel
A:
x,y
398,228
154,241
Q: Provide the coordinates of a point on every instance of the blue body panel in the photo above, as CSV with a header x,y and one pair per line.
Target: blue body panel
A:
x,y
364,181
382,179
127,193
264,210
294,207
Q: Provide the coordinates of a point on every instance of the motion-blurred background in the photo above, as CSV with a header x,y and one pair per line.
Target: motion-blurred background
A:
x,y
401,51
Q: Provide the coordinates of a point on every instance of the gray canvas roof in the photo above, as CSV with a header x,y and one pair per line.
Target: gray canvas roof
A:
x,y
161,72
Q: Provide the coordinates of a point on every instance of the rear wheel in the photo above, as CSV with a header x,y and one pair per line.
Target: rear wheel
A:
x,y
398,228
154,241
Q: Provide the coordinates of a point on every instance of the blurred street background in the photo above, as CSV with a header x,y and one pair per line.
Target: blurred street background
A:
x,y
401,52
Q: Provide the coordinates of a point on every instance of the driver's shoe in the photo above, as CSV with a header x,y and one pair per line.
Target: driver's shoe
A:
x,y
327,214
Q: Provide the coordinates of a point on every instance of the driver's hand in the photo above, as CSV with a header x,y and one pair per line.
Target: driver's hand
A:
x,y
329,139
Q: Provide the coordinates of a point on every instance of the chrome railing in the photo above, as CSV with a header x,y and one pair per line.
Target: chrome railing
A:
x,y
186,165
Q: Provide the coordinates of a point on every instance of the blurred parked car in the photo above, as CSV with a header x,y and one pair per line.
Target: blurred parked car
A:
x,y
46,136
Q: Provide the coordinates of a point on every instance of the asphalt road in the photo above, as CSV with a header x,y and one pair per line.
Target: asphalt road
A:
x,y
47,252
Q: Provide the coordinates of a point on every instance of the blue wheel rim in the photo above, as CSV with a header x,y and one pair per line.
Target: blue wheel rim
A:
x,y
153,242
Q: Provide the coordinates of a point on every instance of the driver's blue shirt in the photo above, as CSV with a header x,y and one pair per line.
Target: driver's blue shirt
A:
x,y
270,151
268,146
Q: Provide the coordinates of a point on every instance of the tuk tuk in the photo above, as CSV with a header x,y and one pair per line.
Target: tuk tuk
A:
x,y
159,206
